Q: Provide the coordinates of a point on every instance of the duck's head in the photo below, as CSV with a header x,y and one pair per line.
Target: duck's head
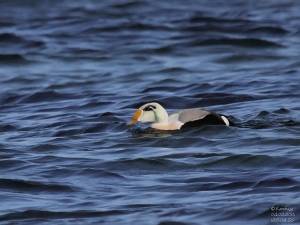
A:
x,y
150,113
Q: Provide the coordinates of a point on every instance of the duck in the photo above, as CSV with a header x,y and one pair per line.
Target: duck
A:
x,y
158,117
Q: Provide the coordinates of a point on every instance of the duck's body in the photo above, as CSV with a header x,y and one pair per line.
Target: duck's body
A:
x,y
159,118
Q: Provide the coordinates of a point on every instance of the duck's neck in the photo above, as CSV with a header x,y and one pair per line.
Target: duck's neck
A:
x,y
161,116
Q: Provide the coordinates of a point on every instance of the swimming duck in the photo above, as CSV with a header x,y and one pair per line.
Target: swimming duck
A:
x,y
159,118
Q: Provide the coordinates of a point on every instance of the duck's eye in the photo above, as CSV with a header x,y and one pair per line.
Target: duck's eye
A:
x,y
149,108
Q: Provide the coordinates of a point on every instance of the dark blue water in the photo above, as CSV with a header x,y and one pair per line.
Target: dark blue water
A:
x,y
72,73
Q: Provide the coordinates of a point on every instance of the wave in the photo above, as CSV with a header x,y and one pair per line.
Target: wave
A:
x,y
7,127
11,39
144,164
241,42
247,58
211,19
6,24
39,214
172,222
10,98
265,119
283,183
102,174
249,160
45,96
277,182
46,147
193,100
33,186
128,4
13,59
269,30
132,26
11,163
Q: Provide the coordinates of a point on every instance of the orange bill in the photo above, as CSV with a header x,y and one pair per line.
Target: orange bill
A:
x,y
136,116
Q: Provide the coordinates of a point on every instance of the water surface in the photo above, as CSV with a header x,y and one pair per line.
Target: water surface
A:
x,y
72,73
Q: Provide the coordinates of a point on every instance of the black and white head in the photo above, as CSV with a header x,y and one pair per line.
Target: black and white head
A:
x,y
150,113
